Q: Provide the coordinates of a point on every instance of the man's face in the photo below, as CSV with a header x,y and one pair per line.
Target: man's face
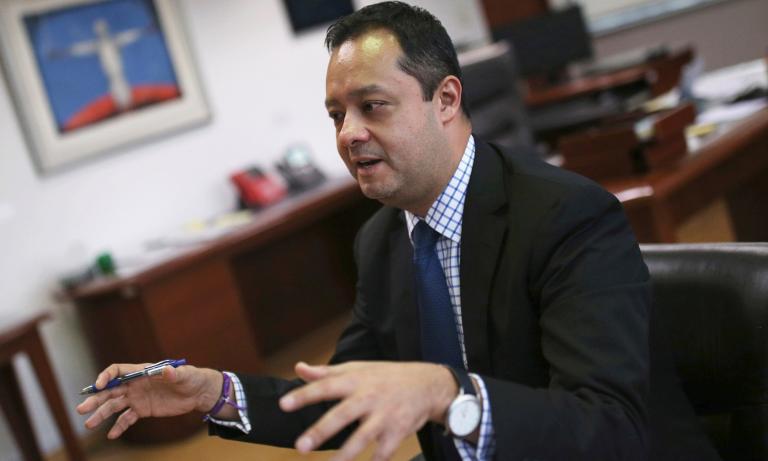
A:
x,y
390,138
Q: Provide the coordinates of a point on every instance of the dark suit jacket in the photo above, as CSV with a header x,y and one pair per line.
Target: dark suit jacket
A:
x,y
554,298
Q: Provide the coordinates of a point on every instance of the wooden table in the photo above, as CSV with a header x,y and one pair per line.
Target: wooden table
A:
x,y
731,166
24,338
660,74
226,303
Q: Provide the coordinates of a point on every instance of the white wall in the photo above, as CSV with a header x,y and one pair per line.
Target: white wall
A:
x,y
266,89
596,8
723,34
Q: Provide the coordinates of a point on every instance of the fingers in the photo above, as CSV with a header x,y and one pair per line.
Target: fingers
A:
x,y
124,421
388,444
106,410
389,400
96,400
115,370
171,374
334,420
318,391
311,373
375,428
365,435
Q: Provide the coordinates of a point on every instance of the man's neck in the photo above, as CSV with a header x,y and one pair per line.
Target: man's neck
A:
x,y
457,147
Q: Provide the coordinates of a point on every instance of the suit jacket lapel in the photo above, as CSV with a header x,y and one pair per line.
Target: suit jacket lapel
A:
x,y
483,231
407,332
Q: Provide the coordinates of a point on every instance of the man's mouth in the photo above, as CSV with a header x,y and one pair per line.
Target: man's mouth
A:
x,y
367,163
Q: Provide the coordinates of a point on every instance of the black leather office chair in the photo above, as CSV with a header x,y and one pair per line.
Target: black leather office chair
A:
x,y
493,96
711,310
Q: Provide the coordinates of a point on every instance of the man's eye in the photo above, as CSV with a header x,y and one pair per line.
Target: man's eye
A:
x,y
337,117
369,106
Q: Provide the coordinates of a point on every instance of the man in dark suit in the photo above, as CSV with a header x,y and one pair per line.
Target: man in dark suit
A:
x,y
501,305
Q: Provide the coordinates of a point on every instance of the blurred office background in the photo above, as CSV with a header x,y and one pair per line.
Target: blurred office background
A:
x,y
264,85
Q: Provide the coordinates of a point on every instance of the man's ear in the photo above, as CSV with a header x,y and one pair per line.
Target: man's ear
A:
x,y
448,96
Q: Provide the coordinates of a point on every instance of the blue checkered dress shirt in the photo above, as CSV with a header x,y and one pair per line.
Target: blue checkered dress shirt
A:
x,y
445,217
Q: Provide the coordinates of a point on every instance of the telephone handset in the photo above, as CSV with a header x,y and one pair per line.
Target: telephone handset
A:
x,y
298,170
256,188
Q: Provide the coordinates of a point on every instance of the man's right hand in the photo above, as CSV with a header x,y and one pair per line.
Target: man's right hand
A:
x,y
177,391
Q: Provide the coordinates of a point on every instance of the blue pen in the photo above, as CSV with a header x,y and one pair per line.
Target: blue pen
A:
x,y
152,370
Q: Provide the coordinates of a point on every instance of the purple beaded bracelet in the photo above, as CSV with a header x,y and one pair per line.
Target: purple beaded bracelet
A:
x,y
223,398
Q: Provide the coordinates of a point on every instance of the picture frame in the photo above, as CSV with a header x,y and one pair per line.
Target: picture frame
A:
x,y
91,76
309,14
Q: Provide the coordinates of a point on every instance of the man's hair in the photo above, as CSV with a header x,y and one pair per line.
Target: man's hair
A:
x,y
428,53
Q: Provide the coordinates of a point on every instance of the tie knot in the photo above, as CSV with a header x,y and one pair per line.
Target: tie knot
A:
x,y
424,237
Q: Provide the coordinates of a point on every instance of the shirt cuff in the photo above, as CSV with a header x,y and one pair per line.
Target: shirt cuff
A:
x,y
244,424
486,442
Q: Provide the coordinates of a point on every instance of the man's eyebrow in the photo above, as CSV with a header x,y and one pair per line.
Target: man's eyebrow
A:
x,y
357,93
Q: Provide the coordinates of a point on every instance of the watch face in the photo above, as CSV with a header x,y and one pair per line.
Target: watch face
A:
x,y
464,415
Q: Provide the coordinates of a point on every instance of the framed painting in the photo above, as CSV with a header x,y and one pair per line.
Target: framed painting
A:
x,y
90,76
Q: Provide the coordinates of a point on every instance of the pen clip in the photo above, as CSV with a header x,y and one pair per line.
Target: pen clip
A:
x,y
158,366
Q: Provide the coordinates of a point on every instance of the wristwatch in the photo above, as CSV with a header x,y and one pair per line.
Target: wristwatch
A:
x,y
465,411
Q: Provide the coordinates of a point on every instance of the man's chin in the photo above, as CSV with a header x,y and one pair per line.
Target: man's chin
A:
x,y
375,191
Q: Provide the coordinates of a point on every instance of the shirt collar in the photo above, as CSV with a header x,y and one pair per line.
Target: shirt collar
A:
x,y
446,213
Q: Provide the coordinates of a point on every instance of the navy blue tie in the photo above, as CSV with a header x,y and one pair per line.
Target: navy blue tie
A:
x,y
439,338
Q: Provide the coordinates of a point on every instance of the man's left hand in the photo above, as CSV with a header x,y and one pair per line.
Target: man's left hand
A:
x,y
392,400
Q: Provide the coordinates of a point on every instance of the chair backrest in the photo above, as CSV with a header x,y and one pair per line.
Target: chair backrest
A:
x,y
493,96
711,305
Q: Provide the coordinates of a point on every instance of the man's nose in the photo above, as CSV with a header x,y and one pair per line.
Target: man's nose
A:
x,y
353,132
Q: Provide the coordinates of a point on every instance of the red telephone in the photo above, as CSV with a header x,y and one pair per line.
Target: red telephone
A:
x,y
257,189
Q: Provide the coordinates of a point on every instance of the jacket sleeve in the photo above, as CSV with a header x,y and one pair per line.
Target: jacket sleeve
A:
x,y
592,288
269,424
